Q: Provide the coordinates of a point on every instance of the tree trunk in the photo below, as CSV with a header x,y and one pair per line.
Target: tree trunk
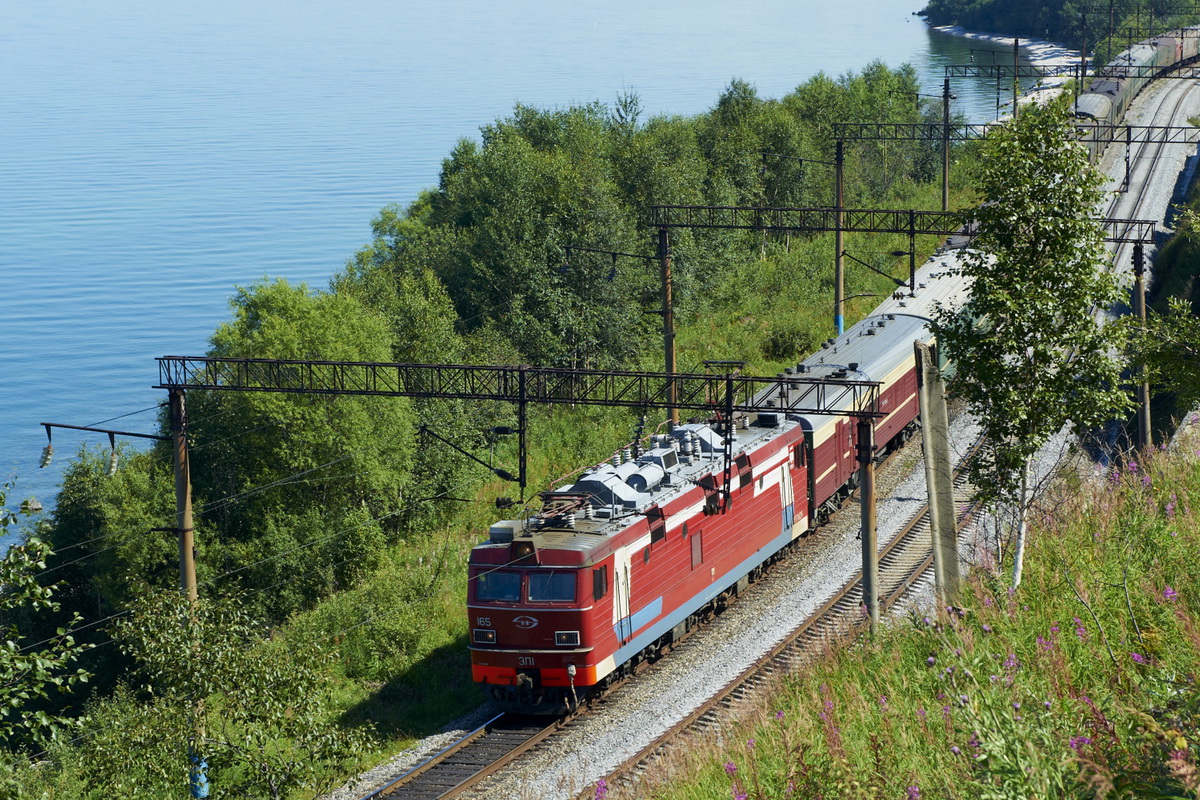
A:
x,y
1019,550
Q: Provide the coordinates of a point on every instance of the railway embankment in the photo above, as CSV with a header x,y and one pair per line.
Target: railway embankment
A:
x,y
1084,678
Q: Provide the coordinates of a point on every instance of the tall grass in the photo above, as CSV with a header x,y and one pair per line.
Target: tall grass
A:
x,y
1081,683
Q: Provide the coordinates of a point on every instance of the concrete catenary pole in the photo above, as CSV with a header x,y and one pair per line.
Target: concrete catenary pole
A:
x,y
1145,437
839,239
946,144
668,321
870,535
935,440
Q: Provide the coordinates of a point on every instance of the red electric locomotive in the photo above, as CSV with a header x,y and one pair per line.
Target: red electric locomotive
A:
x,y
623,562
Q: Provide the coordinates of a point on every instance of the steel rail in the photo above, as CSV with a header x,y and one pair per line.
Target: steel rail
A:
x,y
462,765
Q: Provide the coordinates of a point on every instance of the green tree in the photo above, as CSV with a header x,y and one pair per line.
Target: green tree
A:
x,y
1169,349
30,671
270,727
281,479
1031,355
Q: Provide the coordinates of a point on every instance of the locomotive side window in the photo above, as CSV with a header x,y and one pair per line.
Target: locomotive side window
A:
x,y
798,453
498,586
599,582
552,587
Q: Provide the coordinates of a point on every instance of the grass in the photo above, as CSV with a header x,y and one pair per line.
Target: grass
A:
x,y
1080,683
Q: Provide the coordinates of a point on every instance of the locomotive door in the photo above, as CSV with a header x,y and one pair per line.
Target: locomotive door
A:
x,y
622,621
787,498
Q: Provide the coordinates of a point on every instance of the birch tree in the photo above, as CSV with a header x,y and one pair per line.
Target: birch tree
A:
x,y
1032,356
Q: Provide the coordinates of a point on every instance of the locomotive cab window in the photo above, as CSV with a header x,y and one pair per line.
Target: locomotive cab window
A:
x,y
498,586
557,586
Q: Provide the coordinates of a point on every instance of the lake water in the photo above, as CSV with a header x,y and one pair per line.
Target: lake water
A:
x,y
153,156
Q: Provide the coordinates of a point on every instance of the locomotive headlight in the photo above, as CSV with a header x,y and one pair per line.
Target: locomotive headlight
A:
x,y
485,636
567,638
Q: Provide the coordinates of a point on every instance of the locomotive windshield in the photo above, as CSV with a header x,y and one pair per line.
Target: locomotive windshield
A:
x,y
504,586
551,587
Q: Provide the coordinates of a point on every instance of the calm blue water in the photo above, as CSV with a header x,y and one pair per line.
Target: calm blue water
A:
x,y
155,155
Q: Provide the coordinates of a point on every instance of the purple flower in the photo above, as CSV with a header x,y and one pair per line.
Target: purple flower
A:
x,y
1046,703
779,715
601,789
1132,467
883,704
931,661
954,749
1045,644
1079,741
749,744
914,793
1171,509
1054,629
1145,480
1170,595
1011,662
738,793
921,714
987,628
1080,631
730,768
949,670
1138,658
1016,705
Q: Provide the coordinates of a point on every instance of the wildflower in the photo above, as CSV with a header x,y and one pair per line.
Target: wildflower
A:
x,y
1044,643
883,704
730,768
1054,629
601,789
1138,658
1114,476
928,621
1080,631
921,714
946,712
1145,480
914,793
1132,467
1079,741
962,698
949,670
1170,509
738,793
1011,662
779,715
954,749
1046,703
987,601
987,628
931,661
1016,705
1170,595
749,744
994,678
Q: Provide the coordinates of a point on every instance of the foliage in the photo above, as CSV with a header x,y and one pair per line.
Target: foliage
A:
x,y
1031,356
268,727
30,671
280,479
1169,349
1083,682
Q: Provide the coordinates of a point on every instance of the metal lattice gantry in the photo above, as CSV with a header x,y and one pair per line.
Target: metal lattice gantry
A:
x,y
936,132
852,220
795,394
